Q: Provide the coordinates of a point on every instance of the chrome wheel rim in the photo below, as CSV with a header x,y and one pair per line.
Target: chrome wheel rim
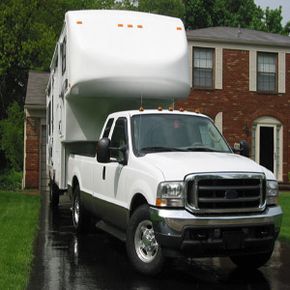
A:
x,y
76,212
145,242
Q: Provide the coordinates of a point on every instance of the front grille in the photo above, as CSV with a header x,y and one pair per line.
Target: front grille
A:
x,y
226,192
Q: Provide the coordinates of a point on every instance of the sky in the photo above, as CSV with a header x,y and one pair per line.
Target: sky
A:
x,y
275,4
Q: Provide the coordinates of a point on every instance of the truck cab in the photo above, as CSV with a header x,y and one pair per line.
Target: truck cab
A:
x,y
168,184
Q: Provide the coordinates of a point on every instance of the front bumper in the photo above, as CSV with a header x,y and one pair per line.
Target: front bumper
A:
x,y
181,232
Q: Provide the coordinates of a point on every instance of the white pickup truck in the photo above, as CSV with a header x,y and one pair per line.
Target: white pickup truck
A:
x,y
164,181
167,183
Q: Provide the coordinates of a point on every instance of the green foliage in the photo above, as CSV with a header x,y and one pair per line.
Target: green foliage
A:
x,y
284,201
234,13
18,225
11,136
166,7
10,180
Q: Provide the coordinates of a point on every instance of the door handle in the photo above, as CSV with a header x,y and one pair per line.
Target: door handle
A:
x,y
104,173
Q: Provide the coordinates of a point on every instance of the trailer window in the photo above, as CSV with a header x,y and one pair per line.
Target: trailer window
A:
x,y
63,56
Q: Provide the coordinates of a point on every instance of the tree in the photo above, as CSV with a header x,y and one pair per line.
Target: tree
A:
x,y
11,136
234,13
166,7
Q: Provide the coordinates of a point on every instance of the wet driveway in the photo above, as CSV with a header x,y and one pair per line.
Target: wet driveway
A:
x,y
98,261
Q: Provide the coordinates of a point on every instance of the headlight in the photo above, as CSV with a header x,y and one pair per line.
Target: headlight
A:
x,y
272,192
170,194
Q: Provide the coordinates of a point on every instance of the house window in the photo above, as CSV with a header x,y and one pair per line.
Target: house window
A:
x,y
203,68
267,72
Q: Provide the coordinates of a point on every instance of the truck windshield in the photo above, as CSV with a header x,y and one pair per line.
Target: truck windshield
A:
x,y
175,132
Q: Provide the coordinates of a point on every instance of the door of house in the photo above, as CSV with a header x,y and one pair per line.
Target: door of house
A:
x,y
267,147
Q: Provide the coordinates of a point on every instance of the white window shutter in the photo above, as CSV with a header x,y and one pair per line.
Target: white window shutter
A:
x,y
190,55
253,71
281,72
218,68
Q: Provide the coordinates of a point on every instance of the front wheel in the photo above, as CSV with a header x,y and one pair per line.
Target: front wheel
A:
x,y
251,261
143,250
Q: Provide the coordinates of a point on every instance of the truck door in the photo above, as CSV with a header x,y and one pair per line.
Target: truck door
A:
x,y
113,170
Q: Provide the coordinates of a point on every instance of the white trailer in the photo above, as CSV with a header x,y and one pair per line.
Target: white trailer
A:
x,y
164,181
106,61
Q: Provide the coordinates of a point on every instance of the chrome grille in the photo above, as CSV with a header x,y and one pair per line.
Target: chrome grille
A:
x,y
226,192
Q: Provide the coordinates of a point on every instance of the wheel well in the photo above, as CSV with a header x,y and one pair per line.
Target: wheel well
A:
x,y
137,200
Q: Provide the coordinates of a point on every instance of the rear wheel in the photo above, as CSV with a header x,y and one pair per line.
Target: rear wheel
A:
x,y
251,261
80,218
143,250
53,194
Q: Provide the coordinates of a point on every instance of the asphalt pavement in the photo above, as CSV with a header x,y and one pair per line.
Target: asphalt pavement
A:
x,y
64,260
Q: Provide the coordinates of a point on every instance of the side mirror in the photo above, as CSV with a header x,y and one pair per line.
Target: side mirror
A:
x,y
103,152
242,148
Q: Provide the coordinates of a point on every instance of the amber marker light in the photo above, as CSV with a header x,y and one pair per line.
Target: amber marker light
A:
x,y
120,25
79,22
178,28
130,25
161,202
159,109
139,26
170,109
181,109
141,109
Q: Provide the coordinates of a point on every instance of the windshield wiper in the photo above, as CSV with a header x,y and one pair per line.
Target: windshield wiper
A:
x,y
205,149
160,149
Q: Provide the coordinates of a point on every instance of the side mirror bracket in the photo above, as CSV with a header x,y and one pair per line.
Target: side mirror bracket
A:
x,y
242,148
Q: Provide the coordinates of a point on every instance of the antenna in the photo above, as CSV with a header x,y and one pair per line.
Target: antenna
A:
x,y
173,103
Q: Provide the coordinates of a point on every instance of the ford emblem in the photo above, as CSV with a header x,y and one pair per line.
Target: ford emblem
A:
x,y
231,194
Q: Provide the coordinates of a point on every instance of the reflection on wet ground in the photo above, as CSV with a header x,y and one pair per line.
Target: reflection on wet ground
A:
x,y
98,261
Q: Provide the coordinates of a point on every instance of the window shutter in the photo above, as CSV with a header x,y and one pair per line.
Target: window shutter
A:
x,y
281,72
253,71
218,68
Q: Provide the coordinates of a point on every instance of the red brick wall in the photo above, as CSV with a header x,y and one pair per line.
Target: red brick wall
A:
x,y
241,107
32,153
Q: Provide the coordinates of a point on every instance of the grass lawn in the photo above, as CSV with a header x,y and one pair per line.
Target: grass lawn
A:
x,y
284,201
18,224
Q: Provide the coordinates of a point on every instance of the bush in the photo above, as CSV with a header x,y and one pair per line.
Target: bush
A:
x,y
10,180
11,136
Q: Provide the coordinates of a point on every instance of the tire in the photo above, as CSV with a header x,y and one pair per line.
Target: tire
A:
x,y
53,194
252,261
142,248
80,218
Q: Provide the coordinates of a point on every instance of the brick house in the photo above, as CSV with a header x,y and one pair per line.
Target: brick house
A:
x,y
34,171
240,78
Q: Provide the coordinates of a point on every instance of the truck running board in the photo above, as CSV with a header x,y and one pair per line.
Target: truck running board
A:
x,y
111,230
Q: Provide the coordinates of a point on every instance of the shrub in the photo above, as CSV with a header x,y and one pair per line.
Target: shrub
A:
x,y
11,136
10,180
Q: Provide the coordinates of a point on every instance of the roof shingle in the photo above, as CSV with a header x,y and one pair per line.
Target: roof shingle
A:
x,y
238,35
35,93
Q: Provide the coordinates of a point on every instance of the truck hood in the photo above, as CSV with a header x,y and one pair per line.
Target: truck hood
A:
x,y
176,165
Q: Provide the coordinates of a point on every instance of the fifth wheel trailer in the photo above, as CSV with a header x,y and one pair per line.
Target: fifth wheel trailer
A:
x,y
164,181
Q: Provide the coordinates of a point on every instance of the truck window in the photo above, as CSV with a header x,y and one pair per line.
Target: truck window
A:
x,y
119,137
170,132
108,127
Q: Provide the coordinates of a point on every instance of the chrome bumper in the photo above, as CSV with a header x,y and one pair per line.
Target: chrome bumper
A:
x,y
172,226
